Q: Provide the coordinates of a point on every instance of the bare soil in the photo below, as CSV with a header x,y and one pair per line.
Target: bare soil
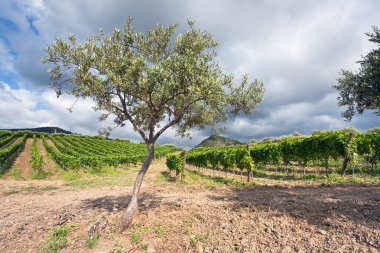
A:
x,y
179,218
21,166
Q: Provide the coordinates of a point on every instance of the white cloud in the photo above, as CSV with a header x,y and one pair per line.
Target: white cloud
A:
x,y
296,47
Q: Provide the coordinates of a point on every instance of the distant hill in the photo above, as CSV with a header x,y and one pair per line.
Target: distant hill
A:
x,y
218,141
49,130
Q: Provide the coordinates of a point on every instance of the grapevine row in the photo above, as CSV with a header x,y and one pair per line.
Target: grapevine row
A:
x,y
8,152
322,148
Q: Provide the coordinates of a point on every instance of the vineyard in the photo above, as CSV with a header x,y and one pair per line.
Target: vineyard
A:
x,y
323,152
72,152
201,212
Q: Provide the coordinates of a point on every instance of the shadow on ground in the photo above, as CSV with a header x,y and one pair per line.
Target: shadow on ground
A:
x,y
112,204
319,206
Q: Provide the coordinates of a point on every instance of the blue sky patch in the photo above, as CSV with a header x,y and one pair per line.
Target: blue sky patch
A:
x,y
40,106
5,23
10,79
30,20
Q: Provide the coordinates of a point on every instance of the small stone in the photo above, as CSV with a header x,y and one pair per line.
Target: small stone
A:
x,y
99,225
199,248
244,242
150,249
287,249
207,250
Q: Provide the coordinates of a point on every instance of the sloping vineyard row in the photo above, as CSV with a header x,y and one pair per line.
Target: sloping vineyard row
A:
x,y
11,150
89,155
114,147
73,151
7,139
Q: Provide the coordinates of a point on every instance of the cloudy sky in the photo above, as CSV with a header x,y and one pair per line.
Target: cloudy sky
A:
x,y
295,47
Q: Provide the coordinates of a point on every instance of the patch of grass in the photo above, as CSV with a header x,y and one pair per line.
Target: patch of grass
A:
x,y
93,181
69,175
16,173
259,172
218,181
312,177
336,179
39,174
91,178
144,246
105,170
92,242
136,237
163,178
117,248
195,239
160,231
57,240
31,189
195,178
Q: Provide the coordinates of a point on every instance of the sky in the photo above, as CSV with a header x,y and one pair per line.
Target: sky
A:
x,y
296,47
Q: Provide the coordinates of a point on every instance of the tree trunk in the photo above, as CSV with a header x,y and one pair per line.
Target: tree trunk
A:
x,y
347,155
183,164
132,208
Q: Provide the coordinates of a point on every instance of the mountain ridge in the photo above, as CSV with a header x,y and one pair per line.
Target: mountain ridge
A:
x,y
218,141
49,130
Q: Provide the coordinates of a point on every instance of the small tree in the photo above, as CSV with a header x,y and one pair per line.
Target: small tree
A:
x,y
154,81
361,91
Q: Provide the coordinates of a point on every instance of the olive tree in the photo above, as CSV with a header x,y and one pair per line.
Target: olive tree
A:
x,y
361,91
155,81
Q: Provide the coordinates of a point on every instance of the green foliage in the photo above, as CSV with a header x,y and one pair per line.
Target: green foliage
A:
x,y
322,147
147,78
136,237
263,154
36,161
73,151
56,241
160,231
6,153
65,161
368,146
195,239
174,162
92,242
361,91
7,138
244,160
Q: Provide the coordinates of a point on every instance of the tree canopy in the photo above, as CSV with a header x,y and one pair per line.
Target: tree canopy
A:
x,y
152,78
361,91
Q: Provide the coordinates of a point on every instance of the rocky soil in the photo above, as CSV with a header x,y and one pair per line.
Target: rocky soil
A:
x,y
179,218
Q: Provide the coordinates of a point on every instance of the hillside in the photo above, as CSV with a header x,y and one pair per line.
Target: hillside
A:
x,y
218,141
49,130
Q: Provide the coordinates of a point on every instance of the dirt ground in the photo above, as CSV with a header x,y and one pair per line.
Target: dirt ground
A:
x,y
180,218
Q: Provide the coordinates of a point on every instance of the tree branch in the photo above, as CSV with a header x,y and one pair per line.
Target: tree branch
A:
x,y
171,123
129,117
176,119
